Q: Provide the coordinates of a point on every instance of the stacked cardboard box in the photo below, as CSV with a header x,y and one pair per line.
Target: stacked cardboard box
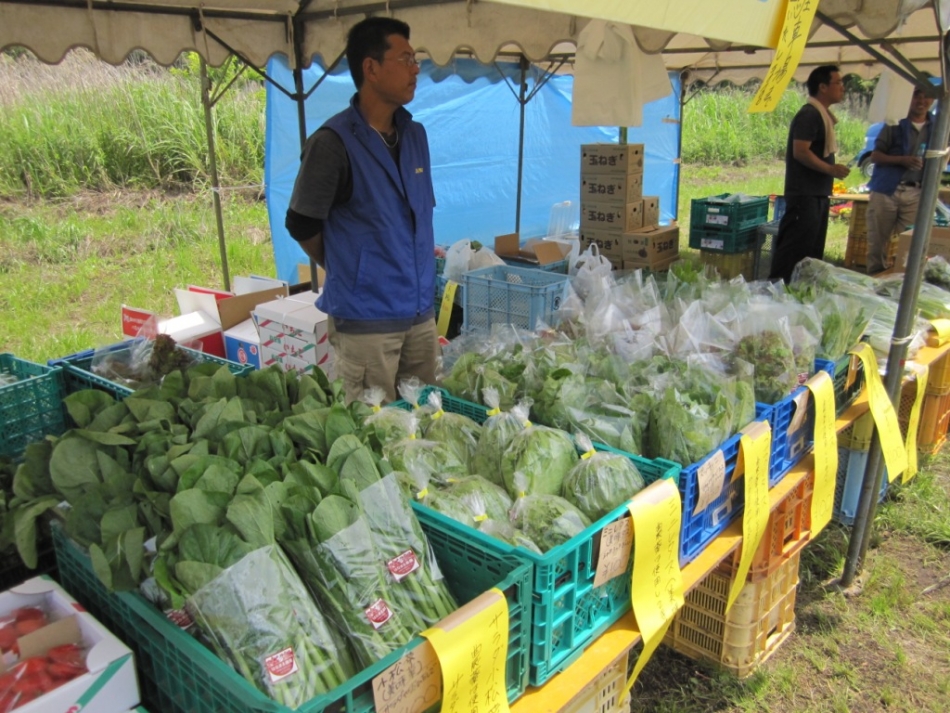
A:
x,y
616,216
293,333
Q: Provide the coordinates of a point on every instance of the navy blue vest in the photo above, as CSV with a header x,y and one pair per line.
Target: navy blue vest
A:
x,y
886,178
379,245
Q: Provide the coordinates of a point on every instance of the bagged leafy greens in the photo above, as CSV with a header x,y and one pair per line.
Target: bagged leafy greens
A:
x,y
543,455
386,425
547,520
457,432
600,482
480,495
497,432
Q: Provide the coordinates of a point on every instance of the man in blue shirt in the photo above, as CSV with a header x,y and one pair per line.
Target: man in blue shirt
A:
x,y
362,208
895,183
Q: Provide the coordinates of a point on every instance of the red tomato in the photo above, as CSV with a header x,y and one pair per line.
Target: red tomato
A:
x,y
28,626
67,653
65,671
29,667
8,637
25,613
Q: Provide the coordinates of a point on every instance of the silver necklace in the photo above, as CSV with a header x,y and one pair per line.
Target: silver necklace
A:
x,y
383,136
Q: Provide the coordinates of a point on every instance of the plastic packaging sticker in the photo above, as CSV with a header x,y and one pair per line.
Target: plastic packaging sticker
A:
x,y
445,307
790,41
923,373
378,613
754,445
711,476
656,513
411,685
281,665
616,540
403,565
885,418
826,451
472,647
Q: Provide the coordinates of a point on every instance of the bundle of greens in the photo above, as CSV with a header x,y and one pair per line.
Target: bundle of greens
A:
x,y
937,272
420,456
547,520
543,456
479,496
600,482
844,319
497,432
776,374
458,433
473,372
252,608
385,425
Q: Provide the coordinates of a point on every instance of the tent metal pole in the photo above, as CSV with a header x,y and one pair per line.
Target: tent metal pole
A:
x,y
213,163
301,98
522,102
906,309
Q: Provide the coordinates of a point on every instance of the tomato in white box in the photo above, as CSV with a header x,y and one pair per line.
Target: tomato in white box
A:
x,y
109,684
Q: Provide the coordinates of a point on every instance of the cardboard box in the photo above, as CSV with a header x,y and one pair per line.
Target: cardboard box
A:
x,y
611,190
242,344
939,245
609,243
133,319
650,246
271,355
651,211
110,685
612,159
622,219
291,325
535,251
656,267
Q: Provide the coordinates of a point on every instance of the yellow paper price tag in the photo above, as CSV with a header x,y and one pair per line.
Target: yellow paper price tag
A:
x,y
826,451
913,423
798,18
942,328
472,647
445,308
755,444
885,418
657,590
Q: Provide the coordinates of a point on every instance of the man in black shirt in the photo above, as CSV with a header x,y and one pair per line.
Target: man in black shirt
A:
x,y
810,171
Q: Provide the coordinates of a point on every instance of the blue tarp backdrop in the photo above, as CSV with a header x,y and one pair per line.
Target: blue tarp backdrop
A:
x,y
471,117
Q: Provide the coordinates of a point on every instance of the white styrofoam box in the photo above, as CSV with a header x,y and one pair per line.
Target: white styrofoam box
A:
x,y
194,327
309,297
110,685
254,283
270,315
242,344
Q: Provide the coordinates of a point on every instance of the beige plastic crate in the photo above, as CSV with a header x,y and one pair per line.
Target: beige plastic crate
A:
x,y
604,693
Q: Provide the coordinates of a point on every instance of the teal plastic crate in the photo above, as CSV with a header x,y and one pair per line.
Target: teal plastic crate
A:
x,y
568,612
31,406
511,295
78,373
177,674
705,238
717,213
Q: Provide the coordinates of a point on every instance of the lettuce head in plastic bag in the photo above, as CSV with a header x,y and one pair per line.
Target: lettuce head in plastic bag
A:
x,y
547,520
600,482
544,456
497,432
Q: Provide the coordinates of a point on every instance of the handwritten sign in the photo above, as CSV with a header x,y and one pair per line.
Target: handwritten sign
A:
x,y
755,443
885,418
472,647
826,451
798,18
923,373
616,541
445,307
656,592
411,685
711,476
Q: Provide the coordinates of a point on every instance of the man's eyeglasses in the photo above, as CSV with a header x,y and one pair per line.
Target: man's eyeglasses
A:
x,y
407,59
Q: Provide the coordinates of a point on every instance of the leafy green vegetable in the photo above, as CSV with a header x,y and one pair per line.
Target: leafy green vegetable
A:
x,y
601,482
543,455
548,520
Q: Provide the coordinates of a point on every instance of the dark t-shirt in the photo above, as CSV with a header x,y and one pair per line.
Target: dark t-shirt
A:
x,y
800,180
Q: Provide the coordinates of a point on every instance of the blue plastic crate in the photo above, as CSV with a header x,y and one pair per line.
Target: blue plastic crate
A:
x,y
177,674
844,395
701,529
568,613
559,266
790,446
851,467
31,406
511,295
78,373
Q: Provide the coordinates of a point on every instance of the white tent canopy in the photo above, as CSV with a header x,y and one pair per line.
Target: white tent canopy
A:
x,y
712,40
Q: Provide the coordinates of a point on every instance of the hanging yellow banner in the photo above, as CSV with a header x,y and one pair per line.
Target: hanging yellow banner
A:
x,y
445,308
755,444
826,451
913,423
656,592
472,647
885,418
798,18
942,328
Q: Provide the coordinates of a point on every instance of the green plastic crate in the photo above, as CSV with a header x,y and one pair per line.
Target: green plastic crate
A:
x,y
30,407
716,213
568,613
78,373
177,674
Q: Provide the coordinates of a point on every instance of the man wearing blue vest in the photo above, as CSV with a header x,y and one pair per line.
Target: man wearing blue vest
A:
x,y
362,208
895,184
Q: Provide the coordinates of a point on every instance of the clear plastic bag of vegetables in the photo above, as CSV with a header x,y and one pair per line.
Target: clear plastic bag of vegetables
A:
x,y
844,319
421,456
601,481
543,456
385,425
260,618
765,341
497,431
458,432
547,520
480,495
411,390
937,272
